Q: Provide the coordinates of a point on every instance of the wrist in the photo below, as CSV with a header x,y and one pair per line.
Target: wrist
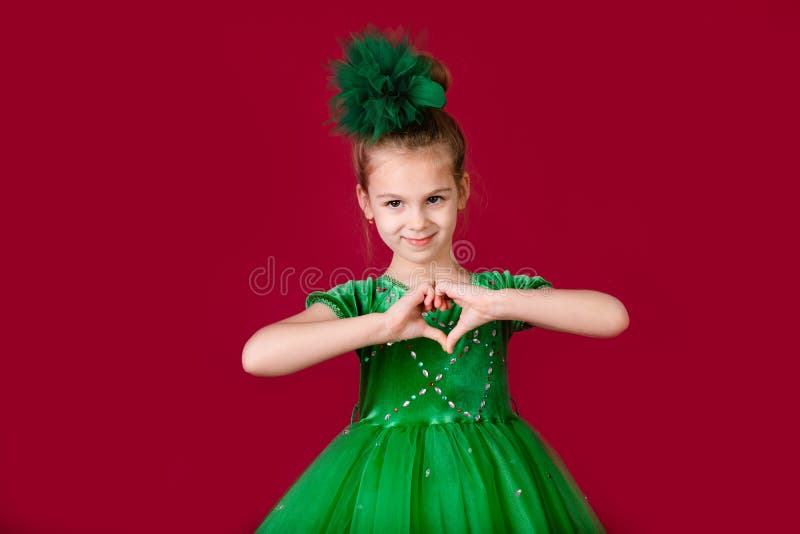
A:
x,y
499,307
386,330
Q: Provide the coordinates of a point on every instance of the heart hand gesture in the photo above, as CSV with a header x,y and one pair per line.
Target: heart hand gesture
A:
x,y
477,308
404,318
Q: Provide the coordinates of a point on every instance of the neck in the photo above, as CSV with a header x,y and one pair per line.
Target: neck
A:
x,y
412,274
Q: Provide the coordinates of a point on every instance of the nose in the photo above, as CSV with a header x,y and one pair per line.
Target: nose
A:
x,y
417,219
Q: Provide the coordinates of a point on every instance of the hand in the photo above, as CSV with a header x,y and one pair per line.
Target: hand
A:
x,y
404,318
477,304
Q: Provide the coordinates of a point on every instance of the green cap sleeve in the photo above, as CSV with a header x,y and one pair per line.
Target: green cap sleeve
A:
x,y
523,281
349,299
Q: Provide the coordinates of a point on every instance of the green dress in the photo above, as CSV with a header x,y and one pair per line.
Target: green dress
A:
x,y
437,446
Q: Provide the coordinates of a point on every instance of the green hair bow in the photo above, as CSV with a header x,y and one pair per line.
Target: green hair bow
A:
x,y
384,86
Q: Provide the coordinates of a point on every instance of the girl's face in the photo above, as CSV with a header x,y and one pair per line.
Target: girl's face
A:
x,y
415,203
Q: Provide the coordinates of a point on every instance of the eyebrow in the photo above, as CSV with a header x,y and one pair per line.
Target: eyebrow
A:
x,y
440,190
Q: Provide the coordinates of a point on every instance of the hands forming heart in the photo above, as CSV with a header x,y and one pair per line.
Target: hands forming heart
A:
x,y
404,318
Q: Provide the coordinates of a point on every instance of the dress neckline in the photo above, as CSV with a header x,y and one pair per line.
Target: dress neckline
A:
x,y
473,276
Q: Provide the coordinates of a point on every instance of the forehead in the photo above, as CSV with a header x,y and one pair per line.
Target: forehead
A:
x,y
409,172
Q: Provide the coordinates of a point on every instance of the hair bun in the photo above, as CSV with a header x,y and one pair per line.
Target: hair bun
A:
x,y
439,73
384,84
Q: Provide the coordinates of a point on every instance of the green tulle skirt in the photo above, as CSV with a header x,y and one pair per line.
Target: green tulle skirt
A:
x,y
489,476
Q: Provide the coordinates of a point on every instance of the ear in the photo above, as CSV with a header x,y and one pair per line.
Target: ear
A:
x,y
363,201
463,192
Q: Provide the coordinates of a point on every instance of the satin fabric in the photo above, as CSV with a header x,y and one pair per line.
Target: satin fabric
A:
x,y
437,446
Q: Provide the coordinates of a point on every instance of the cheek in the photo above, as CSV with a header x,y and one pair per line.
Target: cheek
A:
x,y
390,224
447,216
386,229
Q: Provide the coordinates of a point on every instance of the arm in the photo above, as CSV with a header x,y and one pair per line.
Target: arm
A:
x,y
576,311
309,338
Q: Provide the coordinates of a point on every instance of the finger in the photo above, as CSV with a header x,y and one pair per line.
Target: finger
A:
x,y
442,286
429,298
420,294
417,296
456,334
438,336
450,344
452,341
448,290
419,291
429,294
441,295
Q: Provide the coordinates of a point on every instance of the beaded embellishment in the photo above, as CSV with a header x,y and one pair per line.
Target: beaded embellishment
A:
x,y
436,383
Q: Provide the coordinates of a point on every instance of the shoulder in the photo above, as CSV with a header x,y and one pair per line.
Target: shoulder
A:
x,y
352,285
347,288
492,279
505,279
350,298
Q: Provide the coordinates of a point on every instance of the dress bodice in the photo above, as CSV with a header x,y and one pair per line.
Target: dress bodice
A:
x,y
414,381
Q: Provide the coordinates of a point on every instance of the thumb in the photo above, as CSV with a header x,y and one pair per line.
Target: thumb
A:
x,y
438,336
455,336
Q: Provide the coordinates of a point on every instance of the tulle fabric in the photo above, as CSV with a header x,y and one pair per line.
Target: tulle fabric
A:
x,y
437,447
489,476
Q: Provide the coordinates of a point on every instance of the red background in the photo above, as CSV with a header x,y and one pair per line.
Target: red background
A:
x,y
155,157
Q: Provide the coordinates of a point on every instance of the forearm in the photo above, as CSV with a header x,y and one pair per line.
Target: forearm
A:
x,y
284,348
577,311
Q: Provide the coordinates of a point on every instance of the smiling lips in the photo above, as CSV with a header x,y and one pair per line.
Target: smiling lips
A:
x,y
420,242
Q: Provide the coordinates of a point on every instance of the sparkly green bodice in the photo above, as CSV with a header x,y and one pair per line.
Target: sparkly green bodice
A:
x,y
414,381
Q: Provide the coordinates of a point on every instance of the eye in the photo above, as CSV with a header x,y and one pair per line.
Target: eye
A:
x,y
393,203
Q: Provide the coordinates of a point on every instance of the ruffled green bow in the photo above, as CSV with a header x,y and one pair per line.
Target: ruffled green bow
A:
x,y
384,87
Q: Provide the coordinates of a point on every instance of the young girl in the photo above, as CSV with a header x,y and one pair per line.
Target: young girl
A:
x,y
437,447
